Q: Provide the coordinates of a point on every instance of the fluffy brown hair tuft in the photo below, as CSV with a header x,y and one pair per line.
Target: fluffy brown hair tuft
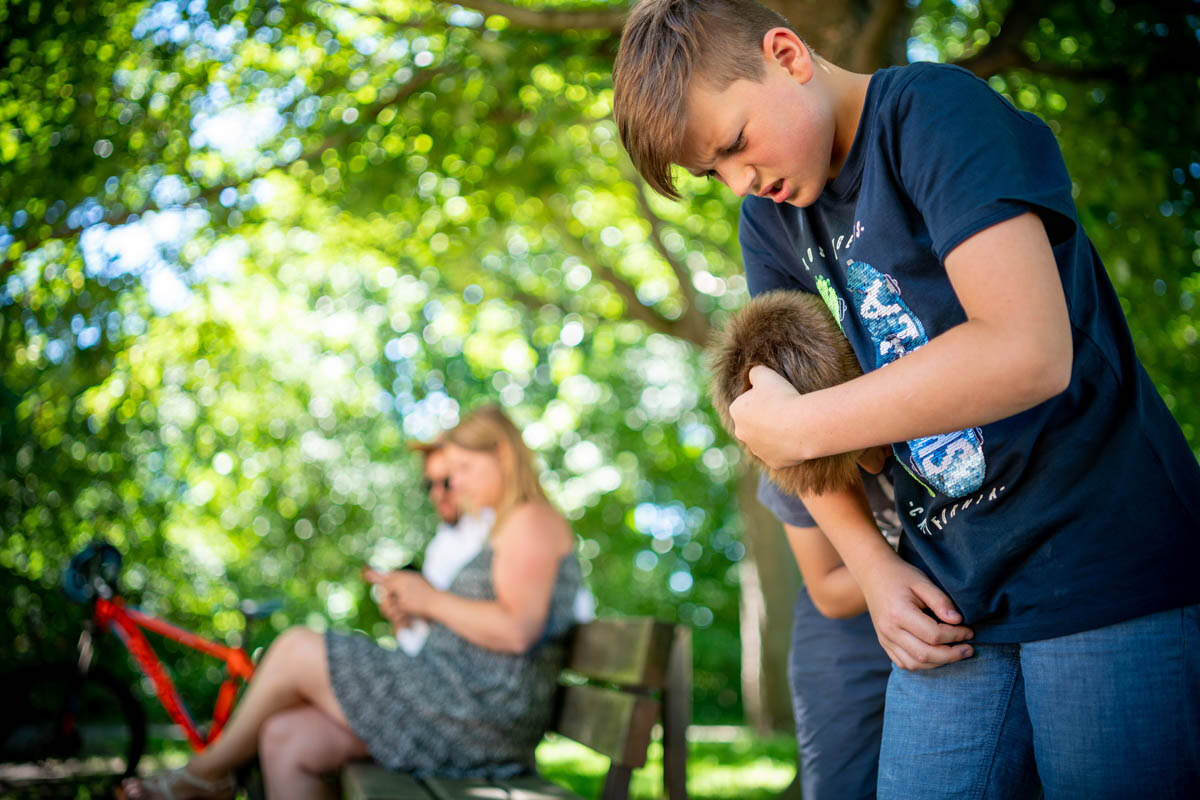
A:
x,y
794,334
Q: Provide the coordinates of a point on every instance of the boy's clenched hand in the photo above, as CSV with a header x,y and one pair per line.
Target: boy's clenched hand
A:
x,y
765,418
897,595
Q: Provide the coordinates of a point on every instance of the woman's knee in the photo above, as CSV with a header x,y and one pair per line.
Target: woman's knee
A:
x,y
306,740
275,737
296,640
297,648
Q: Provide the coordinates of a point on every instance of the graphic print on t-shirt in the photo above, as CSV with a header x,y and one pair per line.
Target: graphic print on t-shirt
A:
x,y
836,305
952,463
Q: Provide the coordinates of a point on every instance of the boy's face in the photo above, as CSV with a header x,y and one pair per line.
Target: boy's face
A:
x,y
774,137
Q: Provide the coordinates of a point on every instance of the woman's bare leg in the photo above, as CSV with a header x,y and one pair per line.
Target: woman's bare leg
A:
x,y
296,747
294,672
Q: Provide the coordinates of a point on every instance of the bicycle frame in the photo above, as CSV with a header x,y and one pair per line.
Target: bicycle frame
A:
x,y
126,621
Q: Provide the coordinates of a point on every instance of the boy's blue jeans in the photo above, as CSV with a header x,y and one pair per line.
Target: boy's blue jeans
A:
x,y
1108,713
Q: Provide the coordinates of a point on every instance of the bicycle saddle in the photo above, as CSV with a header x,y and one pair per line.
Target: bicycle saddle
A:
x,y
94,567
259,609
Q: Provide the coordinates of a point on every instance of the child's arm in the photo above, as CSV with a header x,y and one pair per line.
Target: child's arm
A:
x,y
896,593
829,583
1013,352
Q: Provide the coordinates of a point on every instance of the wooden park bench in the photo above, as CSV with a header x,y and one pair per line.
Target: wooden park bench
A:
x,y
623,675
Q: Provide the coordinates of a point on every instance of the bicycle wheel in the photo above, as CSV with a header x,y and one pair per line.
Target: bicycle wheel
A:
x,y
80,724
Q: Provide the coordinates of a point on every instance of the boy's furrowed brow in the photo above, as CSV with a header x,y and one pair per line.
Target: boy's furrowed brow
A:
x,y
719,151
700,171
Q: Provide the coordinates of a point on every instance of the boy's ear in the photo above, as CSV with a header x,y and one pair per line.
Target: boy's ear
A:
x,y
782,47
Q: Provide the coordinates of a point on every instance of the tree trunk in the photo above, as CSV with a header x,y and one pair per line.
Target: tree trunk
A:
x,y
860,35
769,582
829,26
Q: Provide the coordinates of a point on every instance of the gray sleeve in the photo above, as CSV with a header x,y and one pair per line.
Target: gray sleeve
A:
x,y
790,511
786,508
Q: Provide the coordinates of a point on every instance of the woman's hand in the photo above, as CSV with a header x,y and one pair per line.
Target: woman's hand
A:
x,y
405,594
765,419
897,595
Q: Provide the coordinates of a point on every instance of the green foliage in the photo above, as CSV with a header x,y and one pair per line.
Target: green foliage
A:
x,y
369,209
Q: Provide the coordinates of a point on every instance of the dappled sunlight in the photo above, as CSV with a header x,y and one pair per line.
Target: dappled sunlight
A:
x,y
247,253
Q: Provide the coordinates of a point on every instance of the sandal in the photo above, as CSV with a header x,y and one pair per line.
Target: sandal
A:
x,y
163,784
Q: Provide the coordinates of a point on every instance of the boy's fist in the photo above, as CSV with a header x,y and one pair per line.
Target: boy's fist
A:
x,y
898,595
764,418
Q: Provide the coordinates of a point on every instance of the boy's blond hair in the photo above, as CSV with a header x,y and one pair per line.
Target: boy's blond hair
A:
x,y
794,334
666,45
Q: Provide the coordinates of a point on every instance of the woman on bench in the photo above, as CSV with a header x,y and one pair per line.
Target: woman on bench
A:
x,y
476,698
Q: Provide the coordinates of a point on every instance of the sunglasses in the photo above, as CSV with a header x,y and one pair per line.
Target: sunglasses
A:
x,y
441,483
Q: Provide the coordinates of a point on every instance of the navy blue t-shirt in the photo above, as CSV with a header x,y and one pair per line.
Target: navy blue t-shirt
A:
x,y
1078,513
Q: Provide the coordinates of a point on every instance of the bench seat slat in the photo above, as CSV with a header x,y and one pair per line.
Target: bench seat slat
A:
x,y
536,788
466,789
528,788
369,781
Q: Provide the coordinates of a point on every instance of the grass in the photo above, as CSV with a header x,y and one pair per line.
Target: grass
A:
x,y
739,766
722,766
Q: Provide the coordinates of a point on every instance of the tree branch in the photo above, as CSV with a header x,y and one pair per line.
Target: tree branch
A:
x,y
1004,50
693,325
634,307
418,81
870,52
596,19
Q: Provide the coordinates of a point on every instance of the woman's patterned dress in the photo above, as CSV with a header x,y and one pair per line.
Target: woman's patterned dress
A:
x,y
455,709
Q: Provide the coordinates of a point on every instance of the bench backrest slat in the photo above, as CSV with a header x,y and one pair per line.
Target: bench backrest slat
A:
x,y
627,651
614,723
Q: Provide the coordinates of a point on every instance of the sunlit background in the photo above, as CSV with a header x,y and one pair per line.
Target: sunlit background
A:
x,y
251,249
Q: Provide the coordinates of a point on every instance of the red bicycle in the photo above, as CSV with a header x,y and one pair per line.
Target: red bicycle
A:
x,y
79,710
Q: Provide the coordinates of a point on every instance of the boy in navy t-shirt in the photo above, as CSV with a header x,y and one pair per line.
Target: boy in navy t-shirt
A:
x,y
1045,487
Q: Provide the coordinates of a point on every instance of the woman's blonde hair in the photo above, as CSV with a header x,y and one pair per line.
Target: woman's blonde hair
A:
x,y
487,429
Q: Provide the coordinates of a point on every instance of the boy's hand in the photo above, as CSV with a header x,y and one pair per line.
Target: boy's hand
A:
x,y
763,417
897,594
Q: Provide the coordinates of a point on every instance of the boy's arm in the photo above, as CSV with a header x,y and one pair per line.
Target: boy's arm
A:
x,y
897,594
1013,352
829,583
